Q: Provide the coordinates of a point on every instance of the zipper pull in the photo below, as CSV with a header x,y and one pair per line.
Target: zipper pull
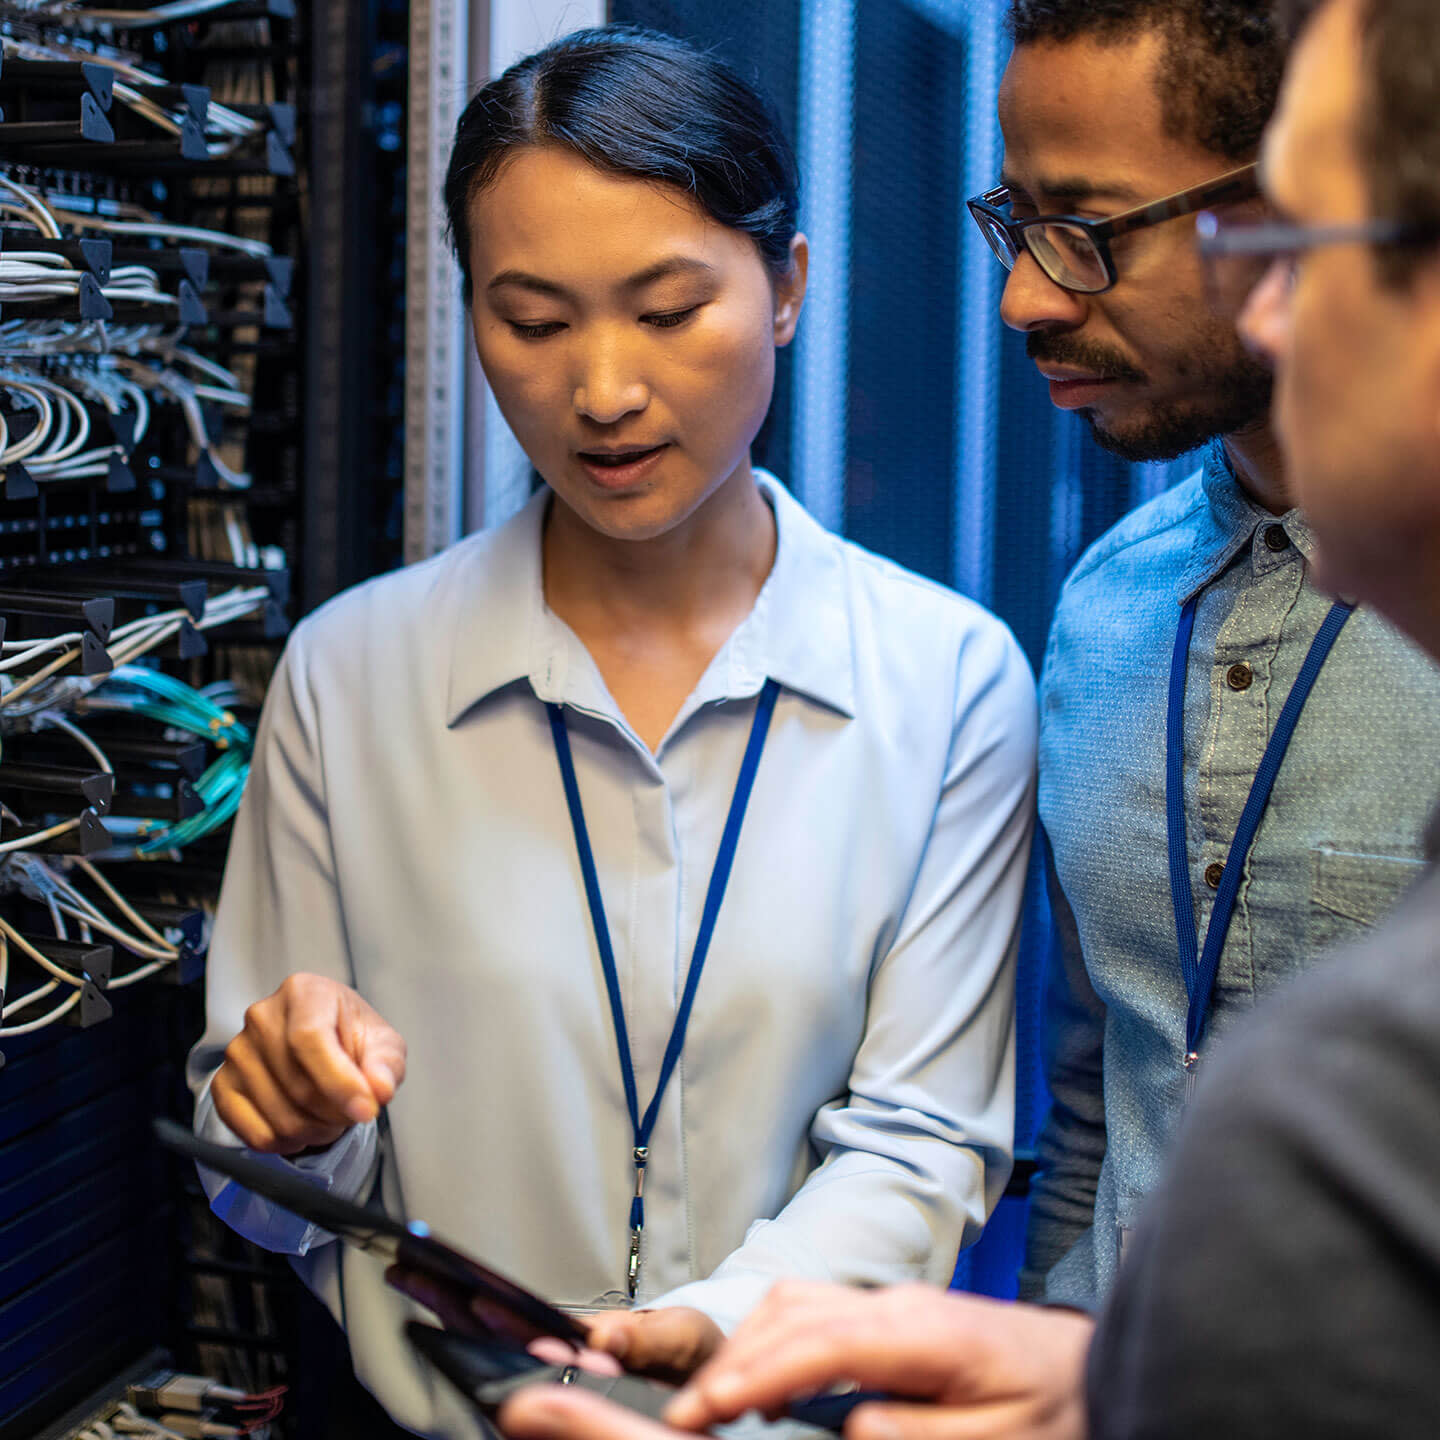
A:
x,y
1192,1069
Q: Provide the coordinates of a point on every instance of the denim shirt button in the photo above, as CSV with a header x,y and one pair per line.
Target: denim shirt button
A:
x,y
1214,873
1239,676
1276,538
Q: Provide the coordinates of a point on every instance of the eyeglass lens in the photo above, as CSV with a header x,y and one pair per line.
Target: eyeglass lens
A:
x,y
1066,253
1230,280
1068,256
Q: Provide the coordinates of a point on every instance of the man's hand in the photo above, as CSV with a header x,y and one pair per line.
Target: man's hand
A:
x,y
313,1060
563,1412
984,1367
668,1344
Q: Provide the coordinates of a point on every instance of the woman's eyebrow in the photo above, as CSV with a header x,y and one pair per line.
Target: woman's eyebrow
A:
x,y
527,281
671,265
660,270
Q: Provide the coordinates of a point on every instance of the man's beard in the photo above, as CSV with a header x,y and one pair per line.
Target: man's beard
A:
x,y
1233,392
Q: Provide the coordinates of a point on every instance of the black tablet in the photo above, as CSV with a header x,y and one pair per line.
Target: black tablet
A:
x,y
406,1243
488,1374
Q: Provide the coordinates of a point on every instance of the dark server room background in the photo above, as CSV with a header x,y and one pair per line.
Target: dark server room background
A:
x,y
204,262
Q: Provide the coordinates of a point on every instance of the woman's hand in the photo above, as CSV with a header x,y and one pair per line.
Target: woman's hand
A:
x,y
667,1344
313,1060
470,1315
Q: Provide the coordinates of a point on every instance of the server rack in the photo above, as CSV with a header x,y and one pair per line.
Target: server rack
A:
x,y
240,461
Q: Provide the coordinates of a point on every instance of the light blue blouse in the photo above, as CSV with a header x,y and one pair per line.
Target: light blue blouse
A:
x,y
843,1108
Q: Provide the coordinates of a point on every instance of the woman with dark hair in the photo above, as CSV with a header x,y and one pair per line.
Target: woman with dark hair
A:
x,y
511,803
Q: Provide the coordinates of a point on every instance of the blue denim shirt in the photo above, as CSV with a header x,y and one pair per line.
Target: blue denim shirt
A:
x,y
1341,838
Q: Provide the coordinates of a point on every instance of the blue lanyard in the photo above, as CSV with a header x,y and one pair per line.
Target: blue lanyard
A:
x,y
714,896
1201,967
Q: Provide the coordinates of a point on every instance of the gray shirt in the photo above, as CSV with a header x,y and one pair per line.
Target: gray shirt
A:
x,y
1340,841
1286,1279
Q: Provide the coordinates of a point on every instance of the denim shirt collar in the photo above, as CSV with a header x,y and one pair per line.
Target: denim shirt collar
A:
x,y
1235,521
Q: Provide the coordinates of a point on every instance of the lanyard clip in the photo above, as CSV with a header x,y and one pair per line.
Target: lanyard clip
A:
x,y
633,1275
1192,1067
641,1156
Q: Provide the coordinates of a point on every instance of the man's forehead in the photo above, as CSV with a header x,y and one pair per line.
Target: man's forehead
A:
x,y
1089,109
1309,154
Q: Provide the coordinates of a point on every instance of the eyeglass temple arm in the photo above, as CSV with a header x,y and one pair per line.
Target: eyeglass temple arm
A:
x,y
1228,189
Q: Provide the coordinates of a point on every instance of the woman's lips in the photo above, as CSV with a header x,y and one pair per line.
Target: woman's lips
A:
x,y
632,466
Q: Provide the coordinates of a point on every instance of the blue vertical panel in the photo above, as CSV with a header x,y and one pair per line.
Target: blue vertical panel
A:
x,y
909,75
761,39
822,351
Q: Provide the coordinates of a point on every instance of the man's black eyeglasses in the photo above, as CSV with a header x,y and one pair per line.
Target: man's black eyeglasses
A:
x,y
1075,252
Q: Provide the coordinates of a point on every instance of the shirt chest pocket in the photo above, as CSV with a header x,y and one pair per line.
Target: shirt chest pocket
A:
x,y
1350,893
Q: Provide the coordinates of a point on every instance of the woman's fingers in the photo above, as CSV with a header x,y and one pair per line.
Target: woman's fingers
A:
x,y
555,1351
290,1127
313,1059
669,1343
323,1027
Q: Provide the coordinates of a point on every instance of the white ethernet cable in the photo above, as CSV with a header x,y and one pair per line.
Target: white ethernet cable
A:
x,y
166,14
142,222
189,395
33,206
126,644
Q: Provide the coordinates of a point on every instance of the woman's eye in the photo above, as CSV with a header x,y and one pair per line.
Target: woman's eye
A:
x,y
536,332
668,319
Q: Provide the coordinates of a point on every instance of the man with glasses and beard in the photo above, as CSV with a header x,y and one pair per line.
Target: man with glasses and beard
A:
x,y
1235,772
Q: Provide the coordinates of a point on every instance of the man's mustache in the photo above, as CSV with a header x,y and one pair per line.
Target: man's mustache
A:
x,y
1094,360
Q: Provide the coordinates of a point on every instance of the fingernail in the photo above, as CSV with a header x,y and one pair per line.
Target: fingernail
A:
x,y
725,1389
384,1078
360,1109
684,1410
535,1412
874,1423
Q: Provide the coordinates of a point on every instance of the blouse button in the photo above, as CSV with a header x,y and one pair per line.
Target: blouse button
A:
x,y
1214,873
1239,677
1275,537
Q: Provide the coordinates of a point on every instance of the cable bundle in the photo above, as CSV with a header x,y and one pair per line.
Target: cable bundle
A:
x,y
135,359
50,885
135,690
131,691
168,1406
71,12
126,644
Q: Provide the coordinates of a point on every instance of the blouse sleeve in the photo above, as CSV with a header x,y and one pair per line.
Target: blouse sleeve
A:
x,y
279,912
916,1155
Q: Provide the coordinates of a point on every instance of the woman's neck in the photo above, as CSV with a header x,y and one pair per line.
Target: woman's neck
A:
x,y
712,564
654,613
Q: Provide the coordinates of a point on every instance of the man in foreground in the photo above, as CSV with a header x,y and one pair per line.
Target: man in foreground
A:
x,y
1284,1280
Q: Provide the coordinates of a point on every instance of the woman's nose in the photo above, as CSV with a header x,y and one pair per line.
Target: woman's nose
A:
x,y
610,386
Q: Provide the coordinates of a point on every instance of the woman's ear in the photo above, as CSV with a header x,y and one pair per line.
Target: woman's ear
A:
x,y
790,291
